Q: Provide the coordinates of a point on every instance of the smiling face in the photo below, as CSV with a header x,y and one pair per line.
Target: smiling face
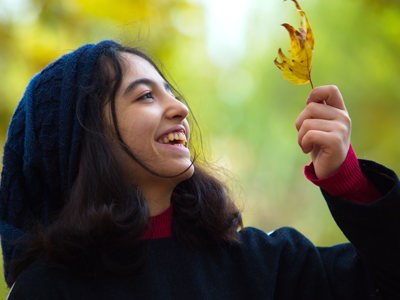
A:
x,y
153,124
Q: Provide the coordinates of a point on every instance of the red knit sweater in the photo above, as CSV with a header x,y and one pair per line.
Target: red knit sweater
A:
x,y
347,182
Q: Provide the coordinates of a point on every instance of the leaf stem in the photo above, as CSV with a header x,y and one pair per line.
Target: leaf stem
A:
x,y
309,76
311,83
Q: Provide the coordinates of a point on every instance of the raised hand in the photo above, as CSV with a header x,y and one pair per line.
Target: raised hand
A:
x,y
324,129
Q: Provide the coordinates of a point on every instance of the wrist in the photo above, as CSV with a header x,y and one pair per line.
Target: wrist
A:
x,y
344,180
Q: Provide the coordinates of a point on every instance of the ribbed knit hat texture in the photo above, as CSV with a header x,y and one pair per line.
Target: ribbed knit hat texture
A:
x,y
41,153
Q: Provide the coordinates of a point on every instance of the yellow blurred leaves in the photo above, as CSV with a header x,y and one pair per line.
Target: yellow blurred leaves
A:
x,y
124,10
297,68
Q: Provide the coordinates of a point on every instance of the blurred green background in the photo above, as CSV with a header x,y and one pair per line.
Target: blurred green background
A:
x,y
220,54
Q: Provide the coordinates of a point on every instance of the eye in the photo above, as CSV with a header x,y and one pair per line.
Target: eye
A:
x,y
146,96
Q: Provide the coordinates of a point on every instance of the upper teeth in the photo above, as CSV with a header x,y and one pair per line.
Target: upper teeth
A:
x,y
173,136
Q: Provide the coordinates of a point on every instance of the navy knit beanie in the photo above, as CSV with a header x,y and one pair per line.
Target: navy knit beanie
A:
x,y
41,153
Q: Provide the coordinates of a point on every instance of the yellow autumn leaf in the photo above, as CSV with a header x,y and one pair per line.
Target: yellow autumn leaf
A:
x,y
297,68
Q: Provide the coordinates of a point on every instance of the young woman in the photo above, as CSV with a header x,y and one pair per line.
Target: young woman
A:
x,y
103,197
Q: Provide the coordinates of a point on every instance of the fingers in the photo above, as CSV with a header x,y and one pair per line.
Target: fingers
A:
x,y
324,133
319,111
328,94
325,103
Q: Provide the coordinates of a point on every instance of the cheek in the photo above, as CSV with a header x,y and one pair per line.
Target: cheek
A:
x,y
138,134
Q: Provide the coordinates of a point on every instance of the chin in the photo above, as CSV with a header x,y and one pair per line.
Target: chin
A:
x,y
185,175
189,173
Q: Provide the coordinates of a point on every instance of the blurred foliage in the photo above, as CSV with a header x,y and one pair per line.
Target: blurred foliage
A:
x,y
245,109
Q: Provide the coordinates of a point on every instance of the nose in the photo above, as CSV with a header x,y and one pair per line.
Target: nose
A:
x,y
175,109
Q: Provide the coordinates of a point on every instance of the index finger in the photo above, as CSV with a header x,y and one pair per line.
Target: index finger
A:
x,y
328,94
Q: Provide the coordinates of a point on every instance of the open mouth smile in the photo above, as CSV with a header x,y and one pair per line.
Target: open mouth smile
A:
x,y
177,138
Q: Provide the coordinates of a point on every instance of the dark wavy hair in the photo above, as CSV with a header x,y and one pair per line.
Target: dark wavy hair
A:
x,y
101,226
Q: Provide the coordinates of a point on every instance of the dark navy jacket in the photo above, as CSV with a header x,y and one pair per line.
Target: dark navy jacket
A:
x,y
281,265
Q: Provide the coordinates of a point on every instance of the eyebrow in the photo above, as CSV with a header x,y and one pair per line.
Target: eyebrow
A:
x,y
146,81
131,86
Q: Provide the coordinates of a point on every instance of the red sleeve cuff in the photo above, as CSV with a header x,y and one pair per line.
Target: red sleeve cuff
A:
x,y
347,182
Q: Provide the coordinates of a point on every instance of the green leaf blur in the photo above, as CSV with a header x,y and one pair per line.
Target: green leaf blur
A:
x,y
245,109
